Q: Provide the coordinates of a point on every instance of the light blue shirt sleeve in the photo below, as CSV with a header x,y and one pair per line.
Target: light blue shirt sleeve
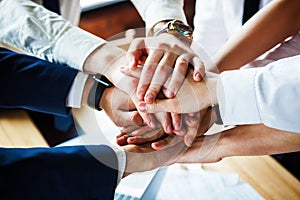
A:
x,y
268,95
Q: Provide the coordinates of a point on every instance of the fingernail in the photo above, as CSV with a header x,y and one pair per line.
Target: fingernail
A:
x,y
189,141
143,106
169,129
170,94
130,140
152,124
176,127
149,99
197,76
140,96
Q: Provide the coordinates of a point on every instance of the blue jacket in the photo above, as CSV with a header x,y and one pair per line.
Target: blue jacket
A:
x,y
31,83
79,172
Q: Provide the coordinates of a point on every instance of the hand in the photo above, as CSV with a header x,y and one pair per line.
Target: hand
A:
x,y
160,140
140,158
195,127
119,107
245,140
191,97
107,61
171,122
159,55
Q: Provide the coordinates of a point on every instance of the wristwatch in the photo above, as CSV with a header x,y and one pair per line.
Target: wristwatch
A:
x,y
177,28
100,84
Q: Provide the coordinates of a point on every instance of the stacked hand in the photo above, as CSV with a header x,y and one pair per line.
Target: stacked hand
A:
x,y
167,87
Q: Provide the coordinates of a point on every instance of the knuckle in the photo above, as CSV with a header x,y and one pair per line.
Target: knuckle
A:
x,y
163,45
164,70
182,63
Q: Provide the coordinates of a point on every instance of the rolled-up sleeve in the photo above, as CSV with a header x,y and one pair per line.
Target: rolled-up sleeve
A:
x,y
268,95
30,27
158,10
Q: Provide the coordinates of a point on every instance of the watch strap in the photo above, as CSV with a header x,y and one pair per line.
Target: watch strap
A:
x,y
96,92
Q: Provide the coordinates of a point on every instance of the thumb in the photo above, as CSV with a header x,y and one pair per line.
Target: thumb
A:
x,y
126,118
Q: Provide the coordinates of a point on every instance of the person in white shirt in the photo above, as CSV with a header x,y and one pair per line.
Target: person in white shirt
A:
x,y
228,59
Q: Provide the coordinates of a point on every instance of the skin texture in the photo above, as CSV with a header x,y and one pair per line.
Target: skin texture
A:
x,y
159,140
270,26
238,141
163,60
245,140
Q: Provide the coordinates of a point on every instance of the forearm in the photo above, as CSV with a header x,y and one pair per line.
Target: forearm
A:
x,y
246,140
69,168
253,140
272,25
30,27
107,60
34,84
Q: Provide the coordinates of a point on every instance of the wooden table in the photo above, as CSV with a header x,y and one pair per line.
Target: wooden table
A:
x,y
17,130
264,173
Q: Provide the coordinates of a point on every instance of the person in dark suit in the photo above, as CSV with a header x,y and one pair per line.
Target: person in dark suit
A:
x,y
76,172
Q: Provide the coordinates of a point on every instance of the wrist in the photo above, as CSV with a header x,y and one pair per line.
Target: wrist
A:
x,y
100,85
177,28
211,80
158,26
100,59
87,88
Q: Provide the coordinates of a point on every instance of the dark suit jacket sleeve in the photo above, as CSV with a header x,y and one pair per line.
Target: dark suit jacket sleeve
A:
x,y
78,172
31,83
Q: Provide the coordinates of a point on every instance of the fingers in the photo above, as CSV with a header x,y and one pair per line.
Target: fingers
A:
x,y
164,105
121,139
139,135
127,118
148,71
176,121
136,118
165,121
136,53
167,142
199,68
132,73
192,128
178,75
161,74
152,135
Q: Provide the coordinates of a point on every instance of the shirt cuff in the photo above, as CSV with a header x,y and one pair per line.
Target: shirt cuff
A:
x,y
237,97
74,46
75,94
159,10
121,156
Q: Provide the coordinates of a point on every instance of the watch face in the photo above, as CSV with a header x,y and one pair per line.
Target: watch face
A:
x,y
185,30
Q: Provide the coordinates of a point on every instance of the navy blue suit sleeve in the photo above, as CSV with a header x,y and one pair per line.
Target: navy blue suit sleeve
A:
x,y
31,83
78,172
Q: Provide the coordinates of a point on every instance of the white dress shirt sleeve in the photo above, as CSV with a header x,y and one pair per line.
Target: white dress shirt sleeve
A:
x,y
74,97
153,11
30,27
121,156
268,95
